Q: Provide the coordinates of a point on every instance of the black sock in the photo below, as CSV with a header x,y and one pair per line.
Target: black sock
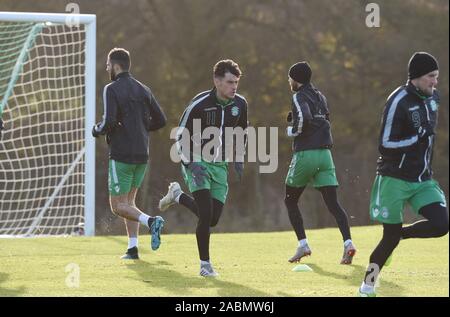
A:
x,y
435,225
132,250
291,202
329,194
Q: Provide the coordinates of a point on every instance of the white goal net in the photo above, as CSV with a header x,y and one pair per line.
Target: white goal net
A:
x,y
43,148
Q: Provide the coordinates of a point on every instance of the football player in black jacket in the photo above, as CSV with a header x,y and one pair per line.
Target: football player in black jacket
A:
x,y
404,173
131,111
312,162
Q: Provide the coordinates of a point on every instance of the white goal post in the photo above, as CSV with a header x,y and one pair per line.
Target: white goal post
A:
x,y
47,103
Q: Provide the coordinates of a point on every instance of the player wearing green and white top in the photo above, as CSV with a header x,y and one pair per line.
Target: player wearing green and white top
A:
x,y
312,162
207,178
130,113
404,174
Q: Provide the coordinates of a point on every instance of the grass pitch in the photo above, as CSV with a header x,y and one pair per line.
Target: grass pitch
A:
x,y
250,264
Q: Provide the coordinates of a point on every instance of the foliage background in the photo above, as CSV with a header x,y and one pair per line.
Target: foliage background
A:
x,y
174,44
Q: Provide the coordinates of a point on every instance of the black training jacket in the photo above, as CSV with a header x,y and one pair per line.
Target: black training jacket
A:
x,y
131,111
407,135
311,124
207,109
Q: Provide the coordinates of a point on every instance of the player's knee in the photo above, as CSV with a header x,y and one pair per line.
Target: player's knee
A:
x,y
391,242
439,220
443,225
117,206
441,229
290,202
202,228
395,243
214,222
215,217
203,222
114,208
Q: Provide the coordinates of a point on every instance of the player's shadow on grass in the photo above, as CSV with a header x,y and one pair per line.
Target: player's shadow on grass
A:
x,y
356,277
9,292
158,276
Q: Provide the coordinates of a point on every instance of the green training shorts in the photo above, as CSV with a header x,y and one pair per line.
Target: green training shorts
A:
x,y
122,177
390,194
312,166
216,181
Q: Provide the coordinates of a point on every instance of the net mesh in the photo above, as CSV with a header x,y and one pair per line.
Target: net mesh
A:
x,y
42,74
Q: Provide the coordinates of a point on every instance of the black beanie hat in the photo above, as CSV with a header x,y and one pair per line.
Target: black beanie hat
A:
x,y
301,72
421,63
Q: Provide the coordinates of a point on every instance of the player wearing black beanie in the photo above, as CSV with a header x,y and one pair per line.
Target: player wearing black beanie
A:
x,y
404,173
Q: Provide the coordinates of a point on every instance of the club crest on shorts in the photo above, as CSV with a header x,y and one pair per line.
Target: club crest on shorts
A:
x,y
384,212
375,212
